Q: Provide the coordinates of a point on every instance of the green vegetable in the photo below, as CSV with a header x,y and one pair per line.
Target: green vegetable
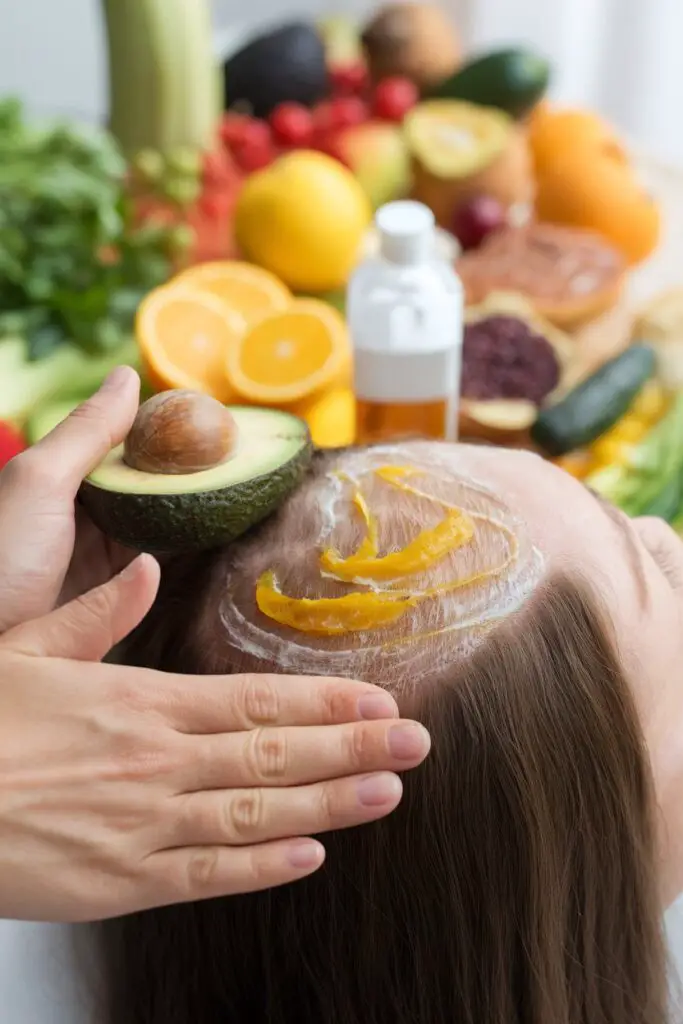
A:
x,y
646,484
66,373
511,80
164,83
170,512
73,267
595,405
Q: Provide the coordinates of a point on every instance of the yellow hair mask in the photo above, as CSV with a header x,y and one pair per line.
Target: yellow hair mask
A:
x,y
429,547
373,609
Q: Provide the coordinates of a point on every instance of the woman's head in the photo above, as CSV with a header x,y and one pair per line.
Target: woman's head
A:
x,y
527,627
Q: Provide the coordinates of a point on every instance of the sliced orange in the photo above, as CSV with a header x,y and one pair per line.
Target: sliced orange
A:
x,y
249,290
290,355
185,336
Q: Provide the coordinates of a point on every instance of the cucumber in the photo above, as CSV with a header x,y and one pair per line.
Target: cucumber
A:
x,y
510,80
595,405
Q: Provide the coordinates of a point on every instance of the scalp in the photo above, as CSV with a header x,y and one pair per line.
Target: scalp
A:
x,y
428,637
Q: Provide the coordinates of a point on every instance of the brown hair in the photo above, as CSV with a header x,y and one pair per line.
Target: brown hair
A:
x,y
515,884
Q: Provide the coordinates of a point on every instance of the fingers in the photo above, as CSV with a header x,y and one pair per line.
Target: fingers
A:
x,y
205,872
246,816
57,464
88,627
296,756
220,704
96,558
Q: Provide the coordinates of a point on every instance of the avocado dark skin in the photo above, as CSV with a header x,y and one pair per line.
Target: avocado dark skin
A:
x,y
287,64
168,523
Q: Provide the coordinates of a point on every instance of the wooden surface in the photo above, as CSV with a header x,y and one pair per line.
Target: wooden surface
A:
x,y
603,338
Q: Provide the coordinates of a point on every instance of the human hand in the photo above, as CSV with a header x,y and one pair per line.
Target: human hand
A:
x,y
122,788
49,549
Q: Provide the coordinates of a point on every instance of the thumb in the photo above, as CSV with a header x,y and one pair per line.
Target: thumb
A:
x,y
57,464
88,627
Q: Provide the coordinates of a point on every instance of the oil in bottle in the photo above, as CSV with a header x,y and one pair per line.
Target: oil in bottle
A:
x,y
405,315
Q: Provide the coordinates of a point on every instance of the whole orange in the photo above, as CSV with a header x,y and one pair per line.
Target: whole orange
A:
x,y
584,178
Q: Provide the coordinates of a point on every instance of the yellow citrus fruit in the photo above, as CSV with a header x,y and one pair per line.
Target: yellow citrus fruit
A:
x,y
331,417
248,290
290,355
185,336
303,218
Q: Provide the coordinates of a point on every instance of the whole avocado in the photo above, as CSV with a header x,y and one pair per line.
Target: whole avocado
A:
x,y
513,80
287,64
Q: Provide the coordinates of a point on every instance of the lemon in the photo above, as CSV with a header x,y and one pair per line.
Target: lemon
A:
x,y
304,219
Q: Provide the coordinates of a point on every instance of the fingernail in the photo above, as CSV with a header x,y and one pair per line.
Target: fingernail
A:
x,y
132,569
306,854
136,566
378,790
117,379
377,705
408,741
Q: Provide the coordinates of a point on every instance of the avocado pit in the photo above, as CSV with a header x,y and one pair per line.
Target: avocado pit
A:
x,y
180,432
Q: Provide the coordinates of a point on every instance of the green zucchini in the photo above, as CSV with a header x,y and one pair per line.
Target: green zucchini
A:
x,y
595,405
510,80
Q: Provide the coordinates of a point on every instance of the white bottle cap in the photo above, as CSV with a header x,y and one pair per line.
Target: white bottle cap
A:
x,y
406,231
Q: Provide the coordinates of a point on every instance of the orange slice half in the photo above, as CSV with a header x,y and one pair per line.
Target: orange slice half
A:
x,y
290,355
249,290
185,337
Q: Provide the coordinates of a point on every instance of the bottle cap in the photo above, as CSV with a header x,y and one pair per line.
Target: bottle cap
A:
x,y
406,231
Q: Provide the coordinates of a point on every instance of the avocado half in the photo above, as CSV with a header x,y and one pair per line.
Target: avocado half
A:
x,y
189,512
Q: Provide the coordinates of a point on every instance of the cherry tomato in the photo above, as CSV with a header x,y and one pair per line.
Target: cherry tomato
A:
x,y
217,205
349,79
253,154
330,145
394,97
236,130
232,128
292,124
218,170
338,113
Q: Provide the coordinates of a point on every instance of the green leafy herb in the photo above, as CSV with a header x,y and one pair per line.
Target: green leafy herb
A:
x,y
73,264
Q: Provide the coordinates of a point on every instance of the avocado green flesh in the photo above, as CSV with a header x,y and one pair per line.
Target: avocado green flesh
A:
x,y
194,511
266,439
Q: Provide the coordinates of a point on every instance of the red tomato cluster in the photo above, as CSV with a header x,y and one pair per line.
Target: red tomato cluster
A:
x,y
254,143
